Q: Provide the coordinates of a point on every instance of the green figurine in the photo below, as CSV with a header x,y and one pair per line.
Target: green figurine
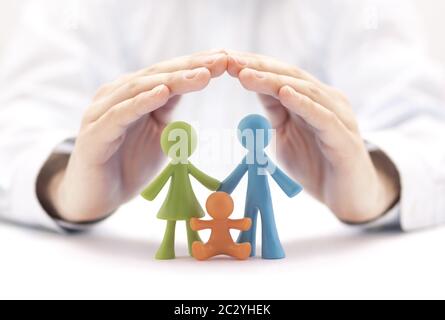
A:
x,y
178,141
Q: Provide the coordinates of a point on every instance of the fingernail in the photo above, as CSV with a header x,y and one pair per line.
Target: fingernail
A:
x,y
289,90
241,61
189,75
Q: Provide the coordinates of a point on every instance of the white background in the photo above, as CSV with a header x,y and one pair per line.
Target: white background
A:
x,y
431,12
325,258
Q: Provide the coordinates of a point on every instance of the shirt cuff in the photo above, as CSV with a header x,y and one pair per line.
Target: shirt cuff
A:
x,y
24,205
417,206
389,220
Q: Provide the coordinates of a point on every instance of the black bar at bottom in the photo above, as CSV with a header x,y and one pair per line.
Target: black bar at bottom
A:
x,y
221,309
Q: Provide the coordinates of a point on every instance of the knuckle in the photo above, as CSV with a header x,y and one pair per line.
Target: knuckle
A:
x,y
352,124
168,78
305,101
138,100
102,90
331,119
340,95
282,80
260,64
247,74
113,115
89,116
152,69
295,71
314,91
190,61
132,86
86,119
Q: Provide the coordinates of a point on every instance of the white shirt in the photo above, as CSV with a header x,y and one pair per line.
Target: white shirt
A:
x,y
372,50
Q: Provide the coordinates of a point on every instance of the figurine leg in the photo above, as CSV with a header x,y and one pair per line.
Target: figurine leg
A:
x,y
202,251
240,251
250,235
167,249
271,245
192,236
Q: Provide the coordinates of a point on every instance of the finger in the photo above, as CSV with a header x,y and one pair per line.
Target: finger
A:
x,y
271,83
327,125
277,114
163,115
115,122
239,61
179,83
215,61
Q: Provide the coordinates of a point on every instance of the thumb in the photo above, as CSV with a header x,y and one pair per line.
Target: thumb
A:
x,y
163,115
275,111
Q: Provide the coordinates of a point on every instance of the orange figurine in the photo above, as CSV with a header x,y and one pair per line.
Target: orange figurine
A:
x,y
220,207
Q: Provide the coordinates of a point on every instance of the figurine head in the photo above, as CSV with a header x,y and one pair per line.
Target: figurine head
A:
x,y
220,205
254,131
179,141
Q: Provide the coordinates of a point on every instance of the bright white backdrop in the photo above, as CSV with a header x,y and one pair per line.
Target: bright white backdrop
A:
x,y
325,259
431,12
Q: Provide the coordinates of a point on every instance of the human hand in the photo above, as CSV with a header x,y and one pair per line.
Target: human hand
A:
x,y
117,149
319,141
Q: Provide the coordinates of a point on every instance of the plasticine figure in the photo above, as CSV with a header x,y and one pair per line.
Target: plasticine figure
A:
x,y
178,141
254,133
220,207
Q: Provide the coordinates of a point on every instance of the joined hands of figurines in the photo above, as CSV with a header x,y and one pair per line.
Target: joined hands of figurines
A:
x,y
178,141
318,140
220,206
255,133
117,148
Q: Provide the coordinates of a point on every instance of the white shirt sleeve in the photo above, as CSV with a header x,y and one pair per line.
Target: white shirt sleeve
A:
x,y
377,58
59,56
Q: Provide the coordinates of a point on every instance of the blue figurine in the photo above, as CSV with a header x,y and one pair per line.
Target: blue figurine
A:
x,y
254,133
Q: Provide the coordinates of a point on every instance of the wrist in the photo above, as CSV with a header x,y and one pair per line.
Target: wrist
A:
x,y
374,190
79,194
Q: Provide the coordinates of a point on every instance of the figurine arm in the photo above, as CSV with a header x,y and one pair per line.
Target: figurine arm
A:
x,y
198,225
207,181
152,191
241,224
289,186
232,181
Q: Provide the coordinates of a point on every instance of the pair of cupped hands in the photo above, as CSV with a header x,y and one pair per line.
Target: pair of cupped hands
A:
x,y
117,150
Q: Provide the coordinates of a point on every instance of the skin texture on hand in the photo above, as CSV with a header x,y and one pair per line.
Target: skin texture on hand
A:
x,y
318,138
319,143
117,148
